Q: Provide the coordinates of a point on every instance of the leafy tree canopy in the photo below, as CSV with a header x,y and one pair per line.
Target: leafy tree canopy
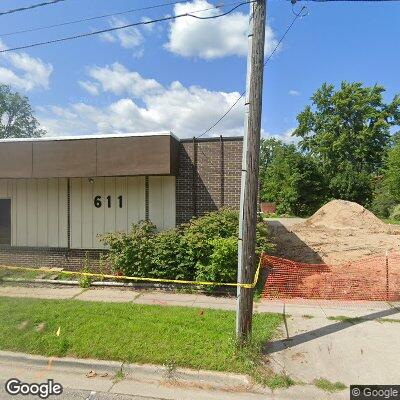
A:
x,y
289,178
392,175
347,132
16,116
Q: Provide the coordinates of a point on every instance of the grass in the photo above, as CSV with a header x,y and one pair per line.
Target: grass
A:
x,y
19,274
355,320
328,386
181,336
307,316
342,318
389,320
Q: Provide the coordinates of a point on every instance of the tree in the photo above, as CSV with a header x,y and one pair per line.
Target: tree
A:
x,y
392,175
290,179
16,116
347,132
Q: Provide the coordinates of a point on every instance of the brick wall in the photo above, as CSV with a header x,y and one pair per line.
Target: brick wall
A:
x,y
209,176
37,257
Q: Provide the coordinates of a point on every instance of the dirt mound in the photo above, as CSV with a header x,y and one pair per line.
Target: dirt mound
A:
x,y
339,231
342,214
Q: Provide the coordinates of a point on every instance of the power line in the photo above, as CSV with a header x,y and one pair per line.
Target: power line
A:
x,y
77,21
47,3
169,18
297,16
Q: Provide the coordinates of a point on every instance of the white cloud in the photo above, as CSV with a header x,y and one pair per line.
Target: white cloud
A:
x,y
23,72
118,80
128,38
285,136
213,38
293,92
187,111
91,87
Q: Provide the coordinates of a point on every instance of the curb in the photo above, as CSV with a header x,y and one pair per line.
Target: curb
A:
x,y
147,372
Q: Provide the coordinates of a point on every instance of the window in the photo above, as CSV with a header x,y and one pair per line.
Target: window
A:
x,y
5,221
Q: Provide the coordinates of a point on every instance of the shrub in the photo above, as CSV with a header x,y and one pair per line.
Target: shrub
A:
x,y
395,214
132,253
222,265
205,249
199,233
383,201
170,259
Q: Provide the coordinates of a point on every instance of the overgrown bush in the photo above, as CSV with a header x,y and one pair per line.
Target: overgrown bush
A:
x,y
383,202
132,253
222,265
170,260
204,249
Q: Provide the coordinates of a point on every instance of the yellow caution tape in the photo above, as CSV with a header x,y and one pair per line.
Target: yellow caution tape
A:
x,y
136,278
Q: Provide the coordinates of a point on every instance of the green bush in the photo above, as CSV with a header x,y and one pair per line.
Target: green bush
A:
x,y
383,202
170,260
132,253
395,214
203,249
222,265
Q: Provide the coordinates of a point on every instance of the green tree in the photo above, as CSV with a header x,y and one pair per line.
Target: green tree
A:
x,y
392,175
290,179
347,133
16,116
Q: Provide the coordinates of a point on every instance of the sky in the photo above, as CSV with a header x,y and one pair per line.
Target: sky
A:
x,y
182,75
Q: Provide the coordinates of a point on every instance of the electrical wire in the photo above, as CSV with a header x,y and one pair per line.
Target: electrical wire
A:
x,y
47,3
297,16
168,18
100,17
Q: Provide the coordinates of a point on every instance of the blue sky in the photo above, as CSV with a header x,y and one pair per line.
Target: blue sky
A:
x,y
181,76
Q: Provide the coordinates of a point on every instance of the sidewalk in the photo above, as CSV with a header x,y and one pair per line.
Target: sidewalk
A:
x,y
293,307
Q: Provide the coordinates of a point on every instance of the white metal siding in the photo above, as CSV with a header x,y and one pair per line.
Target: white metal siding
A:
x,y
88,221
162,204
38,211
39,208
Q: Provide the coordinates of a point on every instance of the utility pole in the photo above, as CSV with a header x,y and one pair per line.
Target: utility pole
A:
x,y
250,169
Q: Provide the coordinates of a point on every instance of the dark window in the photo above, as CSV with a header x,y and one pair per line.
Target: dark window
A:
x,y
5,221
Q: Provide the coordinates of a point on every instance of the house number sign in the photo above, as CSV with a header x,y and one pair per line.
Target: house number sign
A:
x,y
98,201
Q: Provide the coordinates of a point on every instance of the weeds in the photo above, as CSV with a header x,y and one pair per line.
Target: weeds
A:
x,y
119,376
84,280
328,386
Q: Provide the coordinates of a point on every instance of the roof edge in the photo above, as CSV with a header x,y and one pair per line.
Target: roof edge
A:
x,y
83,137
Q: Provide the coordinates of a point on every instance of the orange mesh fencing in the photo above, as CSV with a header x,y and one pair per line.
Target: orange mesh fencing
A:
x,y
374,279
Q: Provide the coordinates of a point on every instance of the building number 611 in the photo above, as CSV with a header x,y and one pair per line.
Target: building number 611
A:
x,y
99,203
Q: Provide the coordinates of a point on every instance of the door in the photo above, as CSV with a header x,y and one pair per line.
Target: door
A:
x,y
5,221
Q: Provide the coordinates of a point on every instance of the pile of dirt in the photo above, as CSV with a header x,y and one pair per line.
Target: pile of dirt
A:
x,y
342,214
338,232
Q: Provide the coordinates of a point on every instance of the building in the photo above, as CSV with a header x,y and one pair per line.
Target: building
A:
x,y
57,195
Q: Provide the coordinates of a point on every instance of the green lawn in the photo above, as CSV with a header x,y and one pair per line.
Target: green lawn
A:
x,y
181,336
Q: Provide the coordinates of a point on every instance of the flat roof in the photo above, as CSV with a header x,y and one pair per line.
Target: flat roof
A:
x,y
150,153
95,136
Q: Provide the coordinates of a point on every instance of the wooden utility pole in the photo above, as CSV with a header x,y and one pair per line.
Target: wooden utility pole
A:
x,y
250,169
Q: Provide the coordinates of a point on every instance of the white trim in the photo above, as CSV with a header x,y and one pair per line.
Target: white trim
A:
x,y
79,137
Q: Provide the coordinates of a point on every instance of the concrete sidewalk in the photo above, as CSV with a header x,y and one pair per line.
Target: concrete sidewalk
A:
x,y
314,308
